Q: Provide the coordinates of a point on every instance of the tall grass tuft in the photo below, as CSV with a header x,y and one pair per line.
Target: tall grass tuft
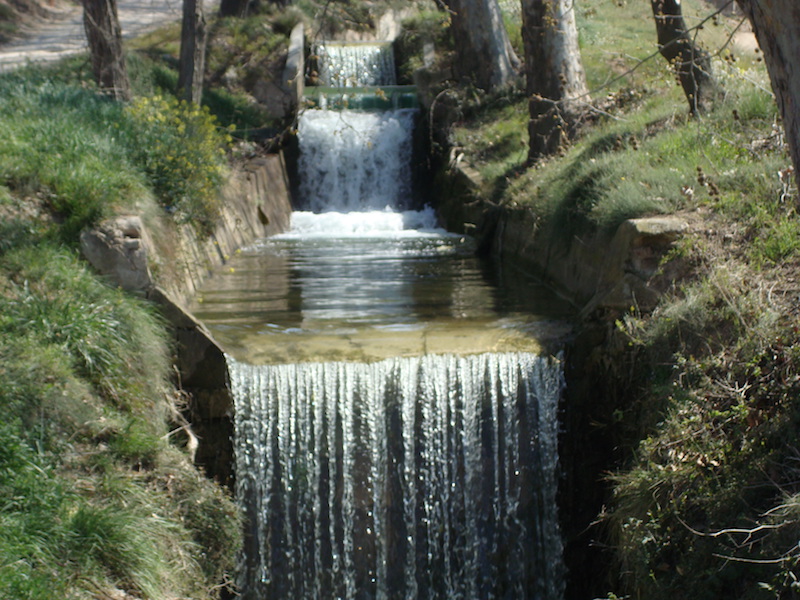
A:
x,y
57,142
92,498
111,338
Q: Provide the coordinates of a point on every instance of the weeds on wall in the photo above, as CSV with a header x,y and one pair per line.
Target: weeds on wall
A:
x,y
709,505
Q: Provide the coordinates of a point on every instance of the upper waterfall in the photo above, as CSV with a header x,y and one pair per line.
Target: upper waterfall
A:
x,y
356,64
353,160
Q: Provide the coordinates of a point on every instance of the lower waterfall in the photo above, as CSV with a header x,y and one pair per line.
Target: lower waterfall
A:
x,y
416,478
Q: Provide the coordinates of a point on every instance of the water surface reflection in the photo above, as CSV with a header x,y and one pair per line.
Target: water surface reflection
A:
x,y
365,286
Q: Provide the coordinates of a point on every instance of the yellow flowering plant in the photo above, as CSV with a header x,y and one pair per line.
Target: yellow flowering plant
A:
x,y
182,149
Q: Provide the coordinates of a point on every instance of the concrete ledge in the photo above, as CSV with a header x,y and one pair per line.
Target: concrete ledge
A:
x,y
599,271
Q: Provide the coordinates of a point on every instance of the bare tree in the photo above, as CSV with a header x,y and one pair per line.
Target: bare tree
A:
x,y
193,51
104,34
776,24
555,80
692,64
484,52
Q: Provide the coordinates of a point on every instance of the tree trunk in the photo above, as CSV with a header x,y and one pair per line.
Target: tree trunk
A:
x,y
484,52
555,80
692,64
193,51
104,35
776,24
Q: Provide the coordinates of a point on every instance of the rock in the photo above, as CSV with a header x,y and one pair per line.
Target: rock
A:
x,y
633,259
117,248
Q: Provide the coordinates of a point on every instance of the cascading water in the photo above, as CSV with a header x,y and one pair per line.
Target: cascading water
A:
x,y
354,160
400,441
428,477
356,64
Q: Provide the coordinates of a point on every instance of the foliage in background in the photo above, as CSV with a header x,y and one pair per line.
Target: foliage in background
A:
x,y
425,27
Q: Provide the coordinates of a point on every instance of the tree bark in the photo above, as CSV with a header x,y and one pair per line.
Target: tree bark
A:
x,y
555,80
692,64
193,51
104,35
776,24
484,52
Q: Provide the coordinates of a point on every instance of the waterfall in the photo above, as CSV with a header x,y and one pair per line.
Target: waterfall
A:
x,y
420,478
416,477
355,160
352,160
356,64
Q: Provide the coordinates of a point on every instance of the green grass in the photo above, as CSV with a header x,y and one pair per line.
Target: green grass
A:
x,y
93,496
57,142
722,456
94,334
644,157
88,157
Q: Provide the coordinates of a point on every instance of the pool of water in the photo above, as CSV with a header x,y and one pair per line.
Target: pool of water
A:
x,y
372,285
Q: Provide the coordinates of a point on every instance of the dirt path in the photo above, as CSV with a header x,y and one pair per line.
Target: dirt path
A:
x,y
64,35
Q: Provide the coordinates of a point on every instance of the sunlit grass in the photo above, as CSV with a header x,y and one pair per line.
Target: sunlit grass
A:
x,y
644,155
94,497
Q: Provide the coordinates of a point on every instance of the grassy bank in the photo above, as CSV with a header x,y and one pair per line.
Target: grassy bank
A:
x,y
700,395
97,493
98,497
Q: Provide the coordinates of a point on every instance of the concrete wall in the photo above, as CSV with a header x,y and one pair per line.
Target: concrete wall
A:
x,y
603,270
153,257
256,204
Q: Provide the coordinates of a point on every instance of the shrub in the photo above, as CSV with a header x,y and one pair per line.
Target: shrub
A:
x,y
180,147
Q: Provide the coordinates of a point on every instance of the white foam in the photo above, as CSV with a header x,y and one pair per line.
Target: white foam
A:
x,y
384,224
355,161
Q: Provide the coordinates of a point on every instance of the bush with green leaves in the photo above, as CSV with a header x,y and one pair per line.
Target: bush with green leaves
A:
x,y
183,151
